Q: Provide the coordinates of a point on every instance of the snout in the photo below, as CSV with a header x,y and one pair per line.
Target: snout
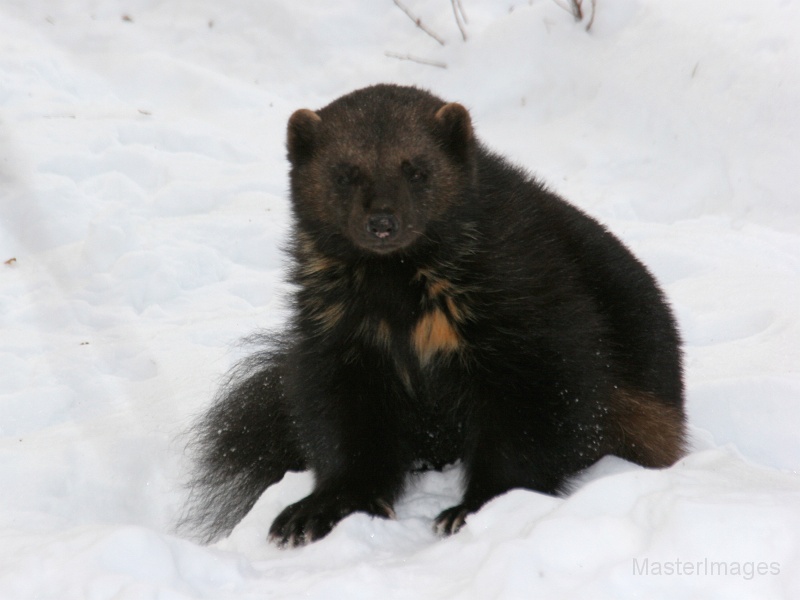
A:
x,y
382,231
383,226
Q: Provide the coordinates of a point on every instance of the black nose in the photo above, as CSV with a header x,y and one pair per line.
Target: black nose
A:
x,y
382,226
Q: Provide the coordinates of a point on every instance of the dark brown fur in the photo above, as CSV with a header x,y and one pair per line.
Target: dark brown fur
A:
x,y
447,307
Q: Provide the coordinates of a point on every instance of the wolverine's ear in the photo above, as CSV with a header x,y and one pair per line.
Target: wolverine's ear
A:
x,y
301,134
455,129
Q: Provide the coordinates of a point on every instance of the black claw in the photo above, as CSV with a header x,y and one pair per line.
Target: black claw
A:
x,y
313,517
450,521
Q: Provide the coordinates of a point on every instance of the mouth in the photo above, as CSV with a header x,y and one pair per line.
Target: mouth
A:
x,y
384,233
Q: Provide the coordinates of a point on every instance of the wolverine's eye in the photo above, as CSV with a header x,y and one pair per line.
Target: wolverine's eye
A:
x,y
414,173
346,175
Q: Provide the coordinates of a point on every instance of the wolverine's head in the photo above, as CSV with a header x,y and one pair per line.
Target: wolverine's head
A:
x,y
379,165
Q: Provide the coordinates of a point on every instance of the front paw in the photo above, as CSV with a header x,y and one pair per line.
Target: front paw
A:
x,y
450,521
315,516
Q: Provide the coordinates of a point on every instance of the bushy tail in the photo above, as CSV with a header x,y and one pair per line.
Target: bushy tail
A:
x,y
241,446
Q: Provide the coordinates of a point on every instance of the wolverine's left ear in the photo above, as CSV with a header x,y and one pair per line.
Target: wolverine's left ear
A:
x,y
455,129
301,135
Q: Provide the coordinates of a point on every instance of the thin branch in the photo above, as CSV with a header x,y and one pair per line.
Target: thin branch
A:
x,y
418,22
573,8
577,9
591,19
422,61
462,11
461,17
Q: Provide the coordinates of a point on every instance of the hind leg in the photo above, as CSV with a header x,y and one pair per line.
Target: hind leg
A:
x,y
645,429
245,444
521,445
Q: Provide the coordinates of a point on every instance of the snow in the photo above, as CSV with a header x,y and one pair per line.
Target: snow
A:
x,y
142,209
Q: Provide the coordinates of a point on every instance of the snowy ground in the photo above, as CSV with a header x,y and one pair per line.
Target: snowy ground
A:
x,y
142,203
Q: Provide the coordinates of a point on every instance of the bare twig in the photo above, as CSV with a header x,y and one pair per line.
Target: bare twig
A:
x,y
461,17
422,61
575,8
462,11
591,18
418,22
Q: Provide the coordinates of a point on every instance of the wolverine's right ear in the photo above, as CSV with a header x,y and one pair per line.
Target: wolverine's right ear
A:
x,y
301,134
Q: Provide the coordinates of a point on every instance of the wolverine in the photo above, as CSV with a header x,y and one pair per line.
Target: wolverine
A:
x,y
446,307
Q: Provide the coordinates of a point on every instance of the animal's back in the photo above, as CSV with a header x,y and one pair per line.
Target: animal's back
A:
x,y
539,245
